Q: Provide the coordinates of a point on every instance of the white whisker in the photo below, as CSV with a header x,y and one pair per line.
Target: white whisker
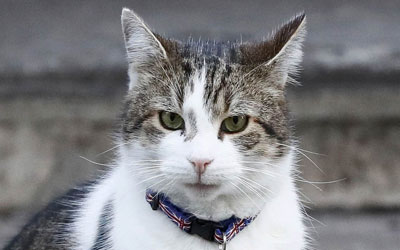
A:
x,y
256,183
303,154
111,149
251,188
97,163
258,171
243,192
150,178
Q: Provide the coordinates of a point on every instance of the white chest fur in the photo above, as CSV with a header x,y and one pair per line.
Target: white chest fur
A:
x,y
136,226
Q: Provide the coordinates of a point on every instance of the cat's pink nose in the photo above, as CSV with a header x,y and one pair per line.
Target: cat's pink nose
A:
x,y
200,165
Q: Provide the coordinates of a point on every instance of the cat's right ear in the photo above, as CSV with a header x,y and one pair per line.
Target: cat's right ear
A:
x,y
144,49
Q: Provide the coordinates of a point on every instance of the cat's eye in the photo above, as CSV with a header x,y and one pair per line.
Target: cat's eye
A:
x,y
234,124
171,121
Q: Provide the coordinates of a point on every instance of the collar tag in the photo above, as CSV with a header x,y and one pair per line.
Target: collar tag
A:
x,y
222,246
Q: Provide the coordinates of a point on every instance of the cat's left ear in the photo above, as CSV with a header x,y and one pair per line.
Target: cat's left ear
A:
x,y
278,57
145,50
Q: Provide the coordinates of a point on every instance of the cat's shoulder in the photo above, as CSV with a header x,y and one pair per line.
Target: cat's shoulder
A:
x,y
50,228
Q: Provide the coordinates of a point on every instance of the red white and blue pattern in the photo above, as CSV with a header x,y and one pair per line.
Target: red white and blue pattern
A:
x,y
231,226
173,213
235,226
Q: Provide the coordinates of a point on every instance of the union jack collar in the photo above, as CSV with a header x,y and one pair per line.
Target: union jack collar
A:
x,y
220,232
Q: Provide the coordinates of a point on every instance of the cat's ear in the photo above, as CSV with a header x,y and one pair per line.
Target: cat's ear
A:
x,y
144,48
280,55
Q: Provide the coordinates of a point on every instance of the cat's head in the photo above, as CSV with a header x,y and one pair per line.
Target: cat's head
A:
x,y
207,122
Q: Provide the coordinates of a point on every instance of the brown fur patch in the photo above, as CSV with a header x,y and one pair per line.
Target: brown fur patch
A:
x,y
254,54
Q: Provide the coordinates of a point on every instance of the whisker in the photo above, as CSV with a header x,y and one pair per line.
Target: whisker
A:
x,y
260,162
258,171
115,165
306,151
322,182
146,172
303,154
144,166
318,188
243,192
308,217
152,185
251,188
256,183
115,147
150,178
315,183
147,160
97,163
143,171
169,185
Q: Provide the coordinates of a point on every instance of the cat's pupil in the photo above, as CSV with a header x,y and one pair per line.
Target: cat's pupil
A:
x,y
235,119
172,116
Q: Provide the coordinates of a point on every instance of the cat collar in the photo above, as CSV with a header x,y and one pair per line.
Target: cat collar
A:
x,y
220,232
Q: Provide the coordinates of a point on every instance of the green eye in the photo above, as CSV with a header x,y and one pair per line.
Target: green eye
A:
x,y
234,124
171,121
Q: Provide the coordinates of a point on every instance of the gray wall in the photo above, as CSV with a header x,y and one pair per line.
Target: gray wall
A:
x,y
62,79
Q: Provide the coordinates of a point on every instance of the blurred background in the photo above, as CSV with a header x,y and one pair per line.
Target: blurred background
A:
x,y
63,77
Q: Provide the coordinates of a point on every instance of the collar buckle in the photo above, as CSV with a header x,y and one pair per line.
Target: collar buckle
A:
x,y
154,203
204,228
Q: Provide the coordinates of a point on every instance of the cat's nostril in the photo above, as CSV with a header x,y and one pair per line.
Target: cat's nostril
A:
x,y
200,165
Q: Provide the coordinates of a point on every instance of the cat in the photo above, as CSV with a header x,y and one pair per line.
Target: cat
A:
x,y
205,152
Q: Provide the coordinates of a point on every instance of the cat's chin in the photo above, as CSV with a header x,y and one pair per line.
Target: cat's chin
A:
x,y
201,190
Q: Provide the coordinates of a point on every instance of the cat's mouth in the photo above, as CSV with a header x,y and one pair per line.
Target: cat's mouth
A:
x,y
201,186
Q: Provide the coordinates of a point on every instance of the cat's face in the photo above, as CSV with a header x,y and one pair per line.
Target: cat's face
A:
x,y
208,123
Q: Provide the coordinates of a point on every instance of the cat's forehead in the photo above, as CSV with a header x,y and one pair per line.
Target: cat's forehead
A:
x,y
217,86
211,51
